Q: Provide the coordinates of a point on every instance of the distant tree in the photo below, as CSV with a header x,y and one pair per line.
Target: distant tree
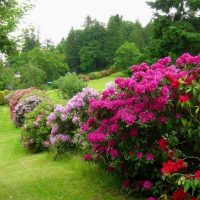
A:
x,y
148,32
73,46
127,55
137,35
7,77
11,11
92,57
31,76
114,37
48,45
50,61
177,29
30,38
61,47
88,22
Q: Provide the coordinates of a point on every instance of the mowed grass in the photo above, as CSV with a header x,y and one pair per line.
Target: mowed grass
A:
x,y
100,84
25,176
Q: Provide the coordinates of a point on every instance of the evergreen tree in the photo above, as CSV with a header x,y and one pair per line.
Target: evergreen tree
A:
x,y
31,39
177,30
114,37
73,46
137,36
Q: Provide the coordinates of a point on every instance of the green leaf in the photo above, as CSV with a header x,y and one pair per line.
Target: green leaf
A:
x,y
187,185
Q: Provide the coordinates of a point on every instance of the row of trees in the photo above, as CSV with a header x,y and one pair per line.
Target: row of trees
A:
x,y
174,30
94,47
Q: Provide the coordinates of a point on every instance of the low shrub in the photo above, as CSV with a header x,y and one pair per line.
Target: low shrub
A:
x,y
84,77
146,129
66,120
6,92
94,75
36,136
2,95
23,107
69,85
103,73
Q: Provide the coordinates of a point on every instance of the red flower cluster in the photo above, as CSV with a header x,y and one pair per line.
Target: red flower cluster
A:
x,y
197,175
180,194
163,144
172,167
184,98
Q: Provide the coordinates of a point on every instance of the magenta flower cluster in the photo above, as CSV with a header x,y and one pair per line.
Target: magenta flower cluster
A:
x,y
125,124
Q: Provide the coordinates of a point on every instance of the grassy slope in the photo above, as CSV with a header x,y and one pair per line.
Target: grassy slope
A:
x,y
37,177
100,84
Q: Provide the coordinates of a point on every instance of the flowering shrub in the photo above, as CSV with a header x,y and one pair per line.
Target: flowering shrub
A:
x,y
16,97
65,120
146,129
36,136
24,107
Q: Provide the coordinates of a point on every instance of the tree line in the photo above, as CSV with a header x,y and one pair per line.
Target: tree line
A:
x,y
175,29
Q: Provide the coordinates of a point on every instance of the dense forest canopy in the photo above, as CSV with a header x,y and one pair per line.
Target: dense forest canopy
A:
x,y
175,29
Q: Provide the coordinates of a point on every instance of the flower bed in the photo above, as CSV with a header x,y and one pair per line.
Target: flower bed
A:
x,y
146,129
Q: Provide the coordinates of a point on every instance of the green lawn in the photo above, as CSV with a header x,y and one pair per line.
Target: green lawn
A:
x,y
25,176
100,84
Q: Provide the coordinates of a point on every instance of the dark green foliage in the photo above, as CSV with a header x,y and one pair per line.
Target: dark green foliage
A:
x,y
127,55
114,37
11,11
73,46
51,62
137,35
69,85
7,78
175,32
93,48
31,39
31,76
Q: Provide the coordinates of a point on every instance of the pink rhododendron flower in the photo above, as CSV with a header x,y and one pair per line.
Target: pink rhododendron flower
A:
x,y
133,133
126,184
149,157
114,153
147,185
139,155
87,157
151,198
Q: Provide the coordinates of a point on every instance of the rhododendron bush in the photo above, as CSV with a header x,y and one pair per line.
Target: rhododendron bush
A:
x,y
146,129
24,107
36,135
66,120
16,97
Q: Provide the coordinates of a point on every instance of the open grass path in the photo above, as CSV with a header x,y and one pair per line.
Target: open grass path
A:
x,y
25,176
